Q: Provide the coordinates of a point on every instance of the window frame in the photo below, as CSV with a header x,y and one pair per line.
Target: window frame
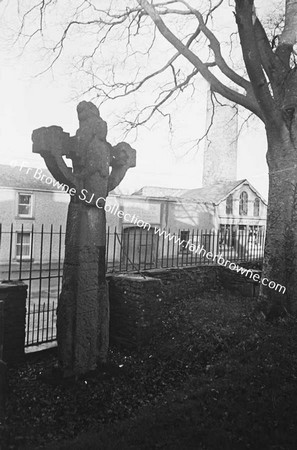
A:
x,y
30,214
227,235
256,200
21,245
243,205
182,247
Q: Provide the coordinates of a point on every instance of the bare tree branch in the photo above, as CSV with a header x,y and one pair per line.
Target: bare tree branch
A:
x,y
128,22
216,48
288,36
156,107
216,85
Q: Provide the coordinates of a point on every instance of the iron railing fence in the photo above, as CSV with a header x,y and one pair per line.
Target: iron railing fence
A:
x,y
36,257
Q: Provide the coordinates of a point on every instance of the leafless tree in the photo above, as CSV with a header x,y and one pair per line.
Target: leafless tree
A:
x,y
266,85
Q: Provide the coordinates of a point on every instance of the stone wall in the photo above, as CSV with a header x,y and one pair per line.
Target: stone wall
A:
x,y
186,282
136,301
14,295
134,307
238,283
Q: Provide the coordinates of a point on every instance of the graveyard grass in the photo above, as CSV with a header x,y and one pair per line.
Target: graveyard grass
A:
x,y
217,376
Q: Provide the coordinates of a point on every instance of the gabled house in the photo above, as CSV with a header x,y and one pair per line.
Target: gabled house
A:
x,y
230,215
236,203
231,203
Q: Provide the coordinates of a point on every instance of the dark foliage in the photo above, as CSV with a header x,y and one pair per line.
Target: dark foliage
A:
x,y
215,377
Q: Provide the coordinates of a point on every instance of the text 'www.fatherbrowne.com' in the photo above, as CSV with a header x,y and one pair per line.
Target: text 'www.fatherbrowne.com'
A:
x,y
220,260
101,203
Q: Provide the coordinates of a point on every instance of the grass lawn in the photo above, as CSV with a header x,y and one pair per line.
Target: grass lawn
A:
x,y
217,376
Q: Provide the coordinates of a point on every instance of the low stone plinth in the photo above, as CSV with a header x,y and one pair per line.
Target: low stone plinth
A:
x,y
134,305
241,284
13,294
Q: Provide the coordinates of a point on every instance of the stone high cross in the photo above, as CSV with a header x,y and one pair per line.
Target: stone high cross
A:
x,y
83,308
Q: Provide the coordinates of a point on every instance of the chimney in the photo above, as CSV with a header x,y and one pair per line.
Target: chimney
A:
x,y
220,152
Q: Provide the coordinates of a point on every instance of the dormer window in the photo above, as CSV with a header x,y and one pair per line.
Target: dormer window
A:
x,y
229,204
243,204
257,207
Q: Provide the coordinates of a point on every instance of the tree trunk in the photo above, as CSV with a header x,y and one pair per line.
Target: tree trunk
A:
x,y
280,260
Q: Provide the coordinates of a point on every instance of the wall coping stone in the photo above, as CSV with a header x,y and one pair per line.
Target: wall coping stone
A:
x,y
8,285
170,269
134,277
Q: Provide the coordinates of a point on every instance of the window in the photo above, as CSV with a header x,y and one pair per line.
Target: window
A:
x,y
256,234
229,204
243,204
256,207
227,235
184,236
23,245
25,205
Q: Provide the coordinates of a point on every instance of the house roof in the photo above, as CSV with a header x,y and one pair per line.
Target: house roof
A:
x,y
214,193
18,177
209,194
155,191
22,178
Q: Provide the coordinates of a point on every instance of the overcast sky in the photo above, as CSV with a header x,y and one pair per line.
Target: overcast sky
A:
x,y
29,102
